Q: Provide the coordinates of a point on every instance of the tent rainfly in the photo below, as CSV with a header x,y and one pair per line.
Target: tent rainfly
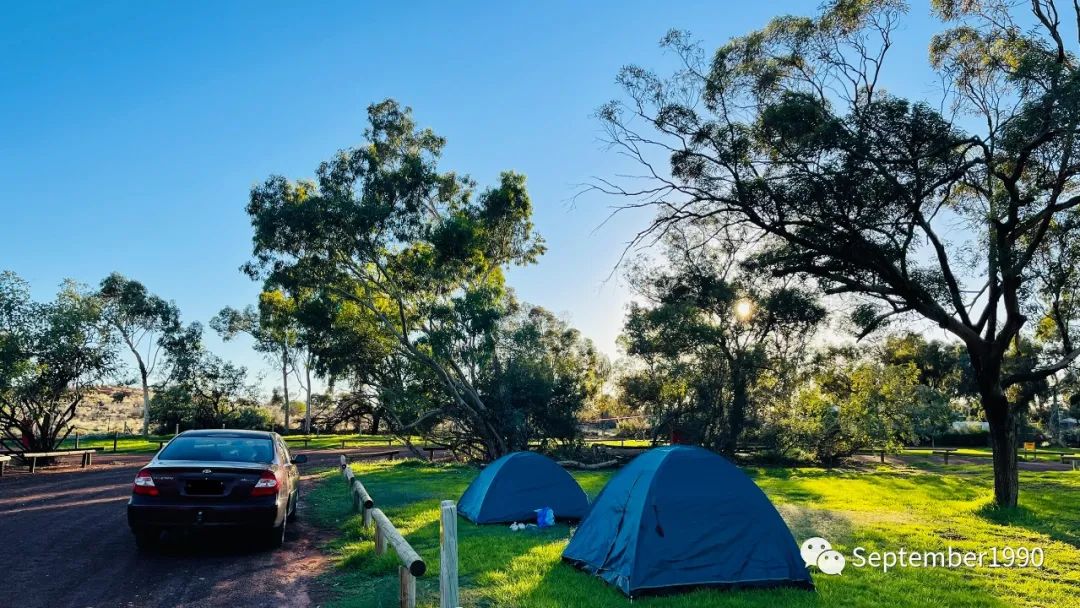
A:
x,y
514,486
679,517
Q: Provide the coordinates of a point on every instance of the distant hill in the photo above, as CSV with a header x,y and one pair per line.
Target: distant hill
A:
x,y
110,408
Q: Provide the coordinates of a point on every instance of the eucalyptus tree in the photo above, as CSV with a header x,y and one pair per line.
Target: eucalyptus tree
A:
x,y
202,390
50,354
275,329
384,228
709,334
952,211
141,320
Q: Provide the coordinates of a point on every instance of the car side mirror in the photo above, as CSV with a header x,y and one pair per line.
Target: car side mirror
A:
x,y
299,459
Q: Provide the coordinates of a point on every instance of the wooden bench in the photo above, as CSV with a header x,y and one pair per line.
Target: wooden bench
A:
x,y
32,457
1067,458
943,452
4,459
879,451
431,449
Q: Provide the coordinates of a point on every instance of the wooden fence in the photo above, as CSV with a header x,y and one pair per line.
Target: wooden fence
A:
x,y
412,565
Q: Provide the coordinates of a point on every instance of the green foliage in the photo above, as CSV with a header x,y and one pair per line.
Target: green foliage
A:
x,y
822,174
142,322
50,354
543,374
201,390
401,256
852,405
714,345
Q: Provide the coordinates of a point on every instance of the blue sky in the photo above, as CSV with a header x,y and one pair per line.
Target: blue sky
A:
x,y
130,133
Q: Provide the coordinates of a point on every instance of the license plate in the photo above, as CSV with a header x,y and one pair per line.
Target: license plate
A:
x,y
205,487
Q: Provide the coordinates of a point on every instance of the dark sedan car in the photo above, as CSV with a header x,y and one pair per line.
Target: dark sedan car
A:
x,y
216,478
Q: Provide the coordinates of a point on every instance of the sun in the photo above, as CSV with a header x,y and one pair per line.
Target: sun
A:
x,y
744,309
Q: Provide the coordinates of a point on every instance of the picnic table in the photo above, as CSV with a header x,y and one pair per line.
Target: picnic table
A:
x,y
880,451
1067,458
944,453
32,457
431,449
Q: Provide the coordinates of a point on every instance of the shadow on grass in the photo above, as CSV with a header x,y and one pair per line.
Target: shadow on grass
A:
x,y
1044,514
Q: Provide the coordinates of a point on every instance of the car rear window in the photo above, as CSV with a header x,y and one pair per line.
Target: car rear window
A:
x,y
231,449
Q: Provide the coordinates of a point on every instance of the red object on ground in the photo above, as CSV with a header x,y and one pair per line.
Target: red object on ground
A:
x,y
677,438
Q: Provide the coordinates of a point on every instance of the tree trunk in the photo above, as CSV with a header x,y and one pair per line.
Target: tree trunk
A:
x,y
146,407
736,415
285,385
376,418
307,401
1003,439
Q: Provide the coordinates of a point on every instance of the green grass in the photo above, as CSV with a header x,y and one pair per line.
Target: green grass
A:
x,y
126,444
135,444
322,442
924,507
1045,455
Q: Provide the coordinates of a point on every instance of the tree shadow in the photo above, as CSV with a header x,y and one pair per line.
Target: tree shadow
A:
x,y
1045,516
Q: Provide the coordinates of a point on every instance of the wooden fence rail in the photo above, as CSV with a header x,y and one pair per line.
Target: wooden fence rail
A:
x,y
412,565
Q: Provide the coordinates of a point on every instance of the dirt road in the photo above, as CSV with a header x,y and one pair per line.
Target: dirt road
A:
x,y
64,541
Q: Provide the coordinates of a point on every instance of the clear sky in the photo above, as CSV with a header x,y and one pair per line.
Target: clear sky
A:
x,y
130,133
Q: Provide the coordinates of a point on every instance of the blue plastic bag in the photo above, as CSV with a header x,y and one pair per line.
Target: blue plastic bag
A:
x,y
545,517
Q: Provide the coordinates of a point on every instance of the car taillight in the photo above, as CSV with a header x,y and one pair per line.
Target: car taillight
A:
x,y
266,486
144,484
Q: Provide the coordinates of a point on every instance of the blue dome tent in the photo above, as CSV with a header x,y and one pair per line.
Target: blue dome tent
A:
x,y
679,517
514,486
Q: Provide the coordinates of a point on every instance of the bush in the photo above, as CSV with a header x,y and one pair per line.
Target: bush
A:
x,y
250,417
633,428
978,439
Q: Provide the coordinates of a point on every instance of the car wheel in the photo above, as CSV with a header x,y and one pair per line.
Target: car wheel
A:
x,y
275,537
146,537
295,501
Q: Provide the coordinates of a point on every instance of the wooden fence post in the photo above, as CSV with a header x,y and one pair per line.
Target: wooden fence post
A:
x,y
114,436
76,440
448,556
407,588
380,541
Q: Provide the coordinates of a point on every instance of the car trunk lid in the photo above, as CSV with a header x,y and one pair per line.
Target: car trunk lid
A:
x,y
209,480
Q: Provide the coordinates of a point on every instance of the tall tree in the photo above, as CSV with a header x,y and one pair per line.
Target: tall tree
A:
x,y
275,330
50,354
708,334
141,320
201,390
787,134
384,229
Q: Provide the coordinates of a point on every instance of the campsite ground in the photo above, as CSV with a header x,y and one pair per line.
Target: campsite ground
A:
x,y
917,504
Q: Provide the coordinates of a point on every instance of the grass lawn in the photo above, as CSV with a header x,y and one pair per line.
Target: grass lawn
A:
x,y
128,444
926,507
1042,454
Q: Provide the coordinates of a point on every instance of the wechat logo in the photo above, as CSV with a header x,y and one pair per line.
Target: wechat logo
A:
x,y
818,552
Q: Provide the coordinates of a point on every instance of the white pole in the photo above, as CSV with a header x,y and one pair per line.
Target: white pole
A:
x,y
448,556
